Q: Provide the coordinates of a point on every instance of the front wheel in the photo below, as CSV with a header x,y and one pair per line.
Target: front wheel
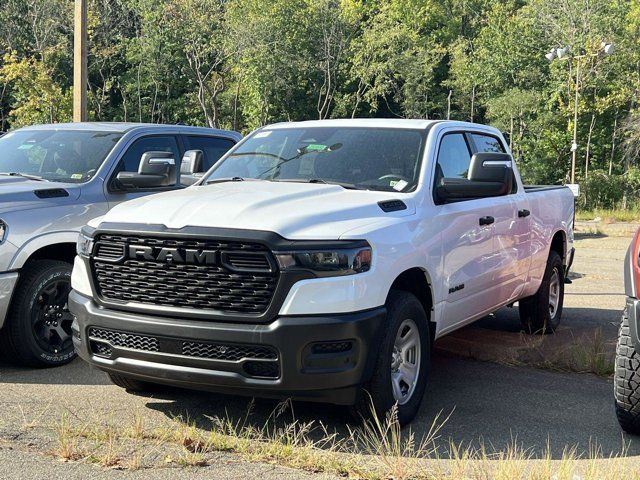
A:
x,y
541,312
402,366
626,382
37,332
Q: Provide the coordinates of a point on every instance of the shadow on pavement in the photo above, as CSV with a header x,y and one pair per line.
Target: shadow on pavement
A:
x,y
490,404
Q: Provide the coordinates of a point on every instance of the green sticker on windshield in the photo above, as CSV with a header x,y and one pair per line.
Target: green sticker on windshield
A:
x,y
77,176
316,147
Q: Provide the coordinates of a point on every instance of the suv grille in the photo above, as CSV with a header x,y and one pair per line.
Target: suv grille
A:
x,y
239,277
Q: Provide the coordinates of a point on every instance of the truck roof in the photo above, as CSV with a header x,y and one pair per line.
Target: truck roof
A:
x,y
418,124
124,127
358,122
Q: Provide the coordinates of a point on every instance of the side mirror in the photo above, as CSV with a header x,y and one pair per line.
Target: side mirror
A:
x,y
489,175
156,169
191,167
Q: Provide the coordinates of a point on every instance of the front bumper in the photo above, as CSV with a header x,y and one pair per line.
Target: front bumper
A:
x,y
7,284
633,313
312,360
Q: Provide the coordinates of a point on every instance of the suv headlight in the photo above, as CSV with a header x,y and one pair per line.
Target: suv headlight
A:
x,y
84,246
3,231
327,263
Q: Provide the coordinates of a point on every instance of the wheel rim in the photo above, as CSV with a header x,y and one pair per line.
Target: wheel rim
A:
x,y
51,319
405,361
554,293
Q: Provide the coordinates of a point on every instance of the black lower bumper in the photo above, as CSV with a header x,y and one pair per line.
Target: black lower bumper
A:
x,y
319,358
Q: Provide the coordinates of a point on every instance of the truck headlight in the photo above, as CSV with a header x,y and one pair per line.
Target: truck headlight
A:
x,y
3,231
84,246
328,263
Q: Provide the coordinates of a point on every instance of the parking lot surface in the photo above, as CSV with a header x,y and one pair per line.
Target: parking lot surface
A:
x,y
496,403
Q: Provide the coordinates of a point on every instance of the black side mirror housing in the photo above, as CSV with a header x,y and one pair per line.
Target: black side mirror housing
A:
x,y
489,175
156,169
191,167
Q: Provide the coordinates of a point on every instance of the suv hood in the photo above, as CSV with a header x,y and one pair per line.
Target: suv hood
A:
x,y
293,210
18,193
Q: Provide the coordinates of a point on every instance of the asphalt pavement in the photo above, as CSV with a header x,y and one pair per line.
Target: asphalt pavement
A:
x,y
487,403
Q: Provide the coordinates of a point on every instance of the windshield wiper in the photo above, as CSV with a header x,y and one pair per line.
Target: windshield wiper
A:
x,y
348,186
225,179
23,175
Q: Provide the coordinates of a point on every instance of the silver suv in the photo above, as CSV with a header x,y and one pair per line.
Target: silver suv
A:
x,y
53,180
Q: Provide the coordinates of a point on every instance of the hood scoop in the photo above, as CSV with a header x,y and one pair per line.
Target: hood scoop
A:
x,y
51,193
392,205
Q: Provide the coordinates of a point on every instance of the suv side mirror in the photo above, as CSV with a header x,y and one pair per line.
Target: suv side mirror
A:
x,y
191,167
157,169
489,175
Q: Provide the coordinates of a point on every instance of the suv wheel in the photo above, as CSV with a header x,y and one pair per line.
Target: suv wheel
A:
x,y
626,382
541,312
37,331
402,367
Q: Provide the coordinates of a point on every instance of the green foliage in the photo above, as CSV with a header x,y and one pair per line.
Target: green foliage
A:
x,y
244,63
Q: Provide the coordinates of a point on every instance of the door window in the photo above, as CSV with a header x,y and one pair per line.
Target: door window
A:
x,y
454,157
157,143
487,144
212,148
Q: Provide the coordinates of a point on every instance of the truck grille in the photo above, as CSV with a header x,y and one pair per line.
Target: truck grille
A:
x,y
255,360
239,277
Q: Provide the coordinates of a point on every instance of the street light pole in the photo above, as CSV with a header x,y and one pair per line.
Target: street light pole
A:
x,y
80,62
574,144
565,54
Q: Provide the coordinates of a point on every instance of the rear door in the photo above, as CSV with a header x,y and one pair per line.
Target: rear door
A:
x,y
511,229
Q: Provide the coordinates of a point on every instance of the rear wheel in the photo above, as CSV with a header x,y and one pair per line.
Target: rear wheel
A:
x,y
541,313
130,384
402,365
37,331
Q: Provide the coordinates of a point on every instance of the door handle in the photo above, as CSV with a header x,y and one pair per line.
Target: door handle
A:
x,y
488,220
523,213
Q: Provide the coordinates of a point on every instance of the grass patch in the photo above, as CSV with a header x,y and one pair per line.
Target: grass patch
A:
x,y
609,216
586,354
374,450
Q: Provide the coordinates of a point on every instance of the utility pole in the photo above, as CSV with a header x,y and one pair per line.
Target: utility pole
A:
x,y
80,62
574,144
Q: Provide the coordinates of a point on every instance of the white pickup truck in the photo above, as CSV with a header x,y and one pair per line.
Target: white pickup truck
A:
x,y
320,260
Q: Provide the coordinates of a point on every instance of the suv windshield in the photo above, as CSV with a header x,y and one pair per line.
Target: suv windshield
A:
x,y
364,158
55,155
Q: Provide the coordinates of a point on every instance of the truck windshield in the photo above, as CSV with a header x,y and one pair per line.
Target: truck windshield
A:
x,y
364,158
55,155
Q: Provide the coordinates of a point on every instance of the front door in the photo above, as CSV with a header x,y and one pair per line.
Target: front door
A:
x,y
130,162
468,259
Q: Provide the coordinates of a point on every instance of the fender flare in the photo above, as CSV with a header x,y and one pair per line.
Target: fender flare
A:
x,y
28,249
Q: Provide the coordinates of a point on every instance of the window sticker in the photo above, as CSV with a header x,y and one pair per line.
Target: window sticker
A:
x,y
77,176
306,166
399,185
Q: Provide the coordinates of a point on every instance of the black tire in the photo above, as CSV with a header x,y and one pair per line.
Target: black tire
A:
x,y
535,311
626,382
37,331
377,396
131,384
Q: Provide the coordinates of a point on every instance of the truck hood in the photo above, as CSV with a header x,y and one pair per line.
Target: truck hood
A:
x,y
18,193
293,210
